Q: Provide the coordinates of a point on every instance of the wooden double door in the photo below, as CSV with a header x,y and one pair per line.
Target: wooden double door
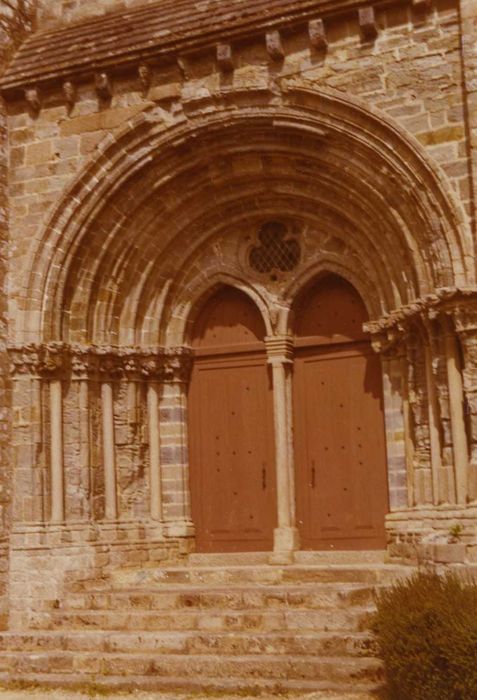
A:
x,y
339,441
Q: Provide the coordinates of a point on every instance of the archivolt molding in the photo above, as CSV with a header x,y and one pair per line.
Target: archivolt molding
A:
x,y
186,307
136,209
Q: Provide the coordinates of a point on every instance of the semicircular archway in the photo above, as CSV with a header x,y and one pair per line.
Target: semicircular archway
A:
x,y
131,232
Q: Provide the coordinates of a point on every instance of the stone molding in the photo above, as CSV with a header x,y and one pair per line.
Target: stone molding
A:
x,y
450,300
452,303
55,360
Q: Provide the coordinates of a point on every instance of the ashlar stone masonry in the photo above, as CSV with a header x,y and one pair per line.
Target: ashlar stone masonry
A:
x,y
146,145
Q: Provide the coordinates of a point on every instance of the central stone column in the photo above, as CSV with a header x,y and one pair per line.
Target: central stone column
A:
x,y
280,358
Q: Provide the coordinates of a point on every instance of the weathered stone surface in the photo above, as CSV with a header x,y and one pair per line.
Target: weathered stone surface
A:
x,y
143,151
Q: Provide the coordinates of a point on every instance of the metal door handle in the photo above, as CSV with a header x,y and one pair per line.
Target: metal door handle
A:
x,y
313,475
264,478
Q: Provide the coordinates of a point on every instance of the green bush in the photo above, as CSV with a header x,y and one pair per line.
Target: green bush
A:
x,y
426,630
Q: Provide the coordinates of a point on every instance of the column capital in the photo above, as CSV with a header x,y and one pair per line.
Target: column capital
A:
x,y
280,349
47,360
389,342
465,318
177,365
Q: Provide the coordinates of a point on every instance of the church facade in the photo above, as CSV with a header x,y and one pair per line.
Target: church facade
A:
x,y
240,291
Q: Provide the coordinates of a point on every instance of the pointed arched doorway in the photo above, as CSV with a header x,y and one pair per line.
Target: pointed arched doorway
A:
x,y
339,436
232,460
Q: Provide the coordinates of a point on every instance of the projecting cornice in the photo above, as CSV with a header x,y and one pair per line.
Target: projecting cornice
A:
x,y
167,30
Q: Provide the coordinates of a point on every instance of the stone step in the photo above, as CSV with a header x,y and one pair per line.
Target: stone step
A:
x,y
293,643
173,597
266,688
196,667
343,557
254,574
375,556
350,619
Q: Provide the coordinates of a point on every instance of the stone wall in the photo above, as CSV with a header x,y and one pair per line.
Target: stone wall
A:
x,y
115,243
5,417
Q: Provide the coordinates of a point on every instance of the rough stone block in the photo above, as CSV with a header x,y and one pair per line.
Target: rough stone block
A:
x,y
454,553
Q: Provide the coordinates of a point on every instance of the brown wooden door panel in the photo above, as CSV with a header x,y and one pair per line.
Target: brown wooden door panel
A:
x,y
231,434
232,455
340,448
339,437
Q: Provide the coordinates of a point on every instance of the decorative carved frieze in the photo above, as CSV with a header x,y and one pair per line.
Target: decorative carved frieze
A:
x,y
37,360
445,300
24,360
106,363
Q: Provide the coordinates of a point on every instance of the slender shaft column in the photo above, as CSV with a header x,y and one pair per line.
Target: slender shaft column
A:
x,y
81,367
408,441
109,457
434,434
418,400
280,352
456,402
154,450
84,436
465,318
56,447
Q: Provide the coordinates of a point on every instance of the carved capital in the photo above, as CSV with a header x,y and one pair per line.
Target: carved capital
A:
x,y
152,365
280,349
24,359
177,365
48,360
110,362
465,318
54,358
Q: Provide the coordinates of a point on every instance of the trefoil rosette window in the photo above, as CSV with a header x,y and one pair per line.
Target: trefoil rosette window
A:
x,y
277,251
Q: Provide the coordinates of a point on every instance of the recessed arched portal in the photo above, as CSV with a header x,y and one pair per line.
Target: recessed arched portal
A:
x,y
340,452
232,470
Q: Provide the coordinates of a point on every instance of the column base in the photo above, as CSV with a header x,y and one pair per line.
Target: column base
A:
x,y
179,528
285,542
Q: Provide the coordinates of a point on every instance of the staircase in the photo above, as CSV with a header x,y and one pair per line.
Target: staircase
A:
x,y
220,623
